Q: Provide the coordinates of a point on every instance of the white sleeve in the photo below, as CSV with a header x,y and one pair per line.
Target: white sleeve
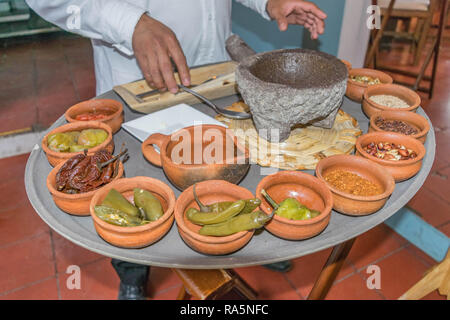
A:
x,y
257,5
112,21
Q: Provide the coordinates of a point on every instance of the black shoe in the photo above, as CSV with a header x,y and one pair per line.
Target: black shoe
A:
x,y
129,292
283,266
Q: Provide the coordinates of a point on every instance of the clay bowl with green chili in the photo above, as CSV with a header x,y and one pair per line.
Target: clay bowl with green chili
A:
x,y
135,236
350,197
210,192
405,118
308,190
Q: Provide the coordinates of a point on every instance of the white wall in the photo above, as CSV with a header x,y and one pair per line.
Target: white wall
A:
x,y
354,32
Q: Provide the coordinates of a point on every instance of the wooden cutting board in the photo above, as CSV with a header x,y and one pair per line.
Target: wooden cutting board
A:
x,y
304,147
224,85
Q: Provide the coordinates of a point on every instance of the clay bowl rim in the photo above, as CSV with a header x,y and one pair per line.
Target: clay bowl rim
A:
x,y
401,163
167,160
76,196
347,64
414,96
75,107
247,62
137,229
179,215
361,71
328,198
346,158
401,113
68,127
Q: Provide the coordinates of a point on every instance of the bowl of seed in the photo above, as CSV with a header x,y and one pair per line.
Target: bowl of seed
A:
x,y
387,97
404,122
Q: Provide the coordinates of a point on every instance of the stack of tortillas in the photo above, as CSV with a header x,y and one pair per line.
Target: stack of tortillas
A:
x,y
304,147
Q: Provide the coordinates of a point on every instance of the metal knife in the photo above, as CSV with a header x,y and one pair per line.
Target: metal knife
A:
x,y
151,92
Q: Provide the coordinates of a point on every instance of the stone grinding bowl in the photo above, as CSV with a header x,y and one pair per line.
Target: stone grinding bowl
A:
x,y
290,87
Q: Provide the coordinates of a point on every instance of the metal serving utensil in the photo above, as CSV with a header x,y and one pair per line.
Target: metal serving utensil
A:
x,y
225,113
154,91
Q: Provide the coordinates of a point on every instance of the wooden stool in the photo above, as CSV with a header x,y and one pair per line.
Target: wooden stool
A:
x,y
437,278
212,284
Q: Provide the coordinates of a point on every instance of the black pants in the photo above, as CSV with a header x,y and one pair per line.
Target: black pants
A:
x,y
131,273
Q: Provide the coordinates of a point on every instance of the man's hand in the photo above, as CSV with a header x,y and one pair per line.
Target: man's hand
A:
x,y
297,12
154,45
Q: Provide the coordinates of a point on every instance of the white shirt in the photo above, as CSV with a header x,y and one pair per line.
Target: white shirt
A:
x,y
201,26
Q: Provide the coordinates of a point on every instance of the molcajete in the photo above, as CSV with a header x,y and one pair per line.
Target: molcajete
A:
x,y
197,153
290,87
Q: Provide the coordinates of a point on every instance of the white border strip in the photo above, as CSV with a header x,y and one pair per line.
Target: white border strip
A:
x,y
19,144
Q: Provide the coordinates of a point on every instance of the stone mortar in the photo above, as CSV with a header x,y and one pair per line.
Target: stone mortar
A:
x,y
291,87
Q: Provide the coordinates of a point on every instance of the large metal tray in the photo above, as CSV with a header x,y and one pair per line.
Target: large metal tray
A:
x,y
171,251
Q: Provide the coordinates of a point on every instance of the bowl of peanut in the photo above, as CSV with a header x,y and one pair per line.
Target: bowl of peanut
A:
x,y
401,155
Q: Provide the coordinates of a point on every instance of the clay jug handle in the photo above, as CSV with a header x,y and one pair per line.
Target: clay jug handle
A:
x,y
148,150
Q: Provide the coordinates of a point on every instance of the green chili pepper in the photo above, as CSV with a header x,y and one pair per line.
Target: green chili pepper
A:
x,y
202,207
117,217
291,208
202,218
250,205
149,204
114,199
248,221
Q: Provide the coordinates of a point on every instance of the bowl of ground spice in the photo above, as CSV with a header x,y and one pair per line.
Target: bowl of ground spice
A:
x,y
359,186
388,97
401,155
404,122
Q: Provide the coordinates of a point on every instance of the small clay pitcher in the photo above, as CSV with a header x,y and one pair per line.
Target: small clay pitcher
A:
x,y
197,153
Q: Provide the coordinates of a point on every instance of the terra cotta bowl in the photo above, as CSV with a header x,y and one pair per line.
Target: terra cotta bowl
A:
x,y
55,157
140,236
347,64
348,203
308,190
76,204
401,170
115,108
416,120
409,96
355,90
209,192
197,153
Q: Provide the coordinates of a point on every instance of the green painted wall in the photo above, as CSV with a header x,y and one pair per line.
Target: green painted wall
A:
x,y
263,35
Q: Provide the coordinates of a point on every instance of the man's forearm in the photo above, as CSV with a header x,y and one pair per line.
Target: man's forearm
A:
x,y
112,21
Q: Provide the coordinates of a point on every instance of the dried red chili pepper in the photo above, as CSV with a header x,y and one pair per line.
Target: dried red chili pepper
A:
x,y
81,173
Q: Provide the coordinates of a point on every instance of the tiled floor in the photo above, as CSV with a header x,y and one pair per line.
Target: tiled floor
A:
x,y
48,75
